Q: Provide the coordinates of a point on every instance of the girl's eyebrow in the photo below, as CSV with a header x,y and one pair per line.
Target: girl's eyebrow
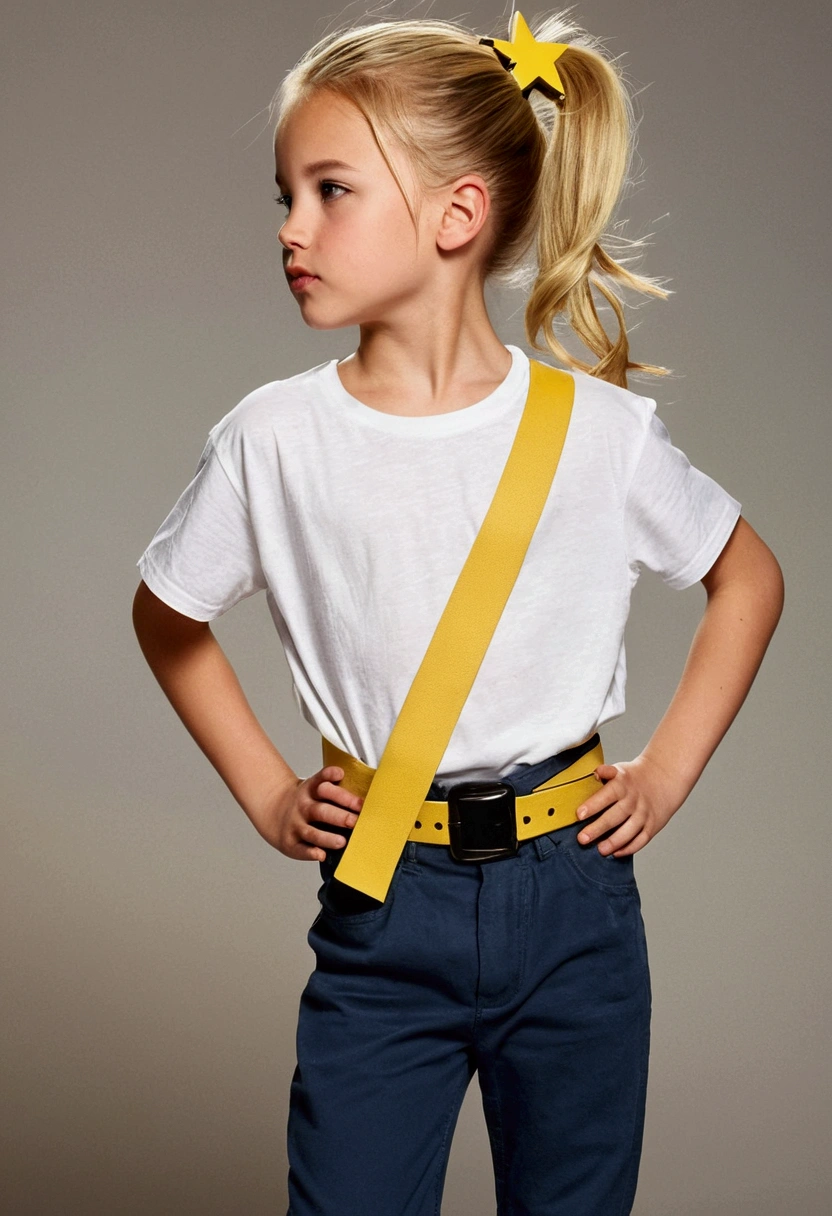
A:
x,y
318,166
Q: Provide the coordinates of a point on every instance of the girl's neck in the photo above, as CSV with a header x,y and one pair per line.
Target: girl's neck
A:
x,y
443,371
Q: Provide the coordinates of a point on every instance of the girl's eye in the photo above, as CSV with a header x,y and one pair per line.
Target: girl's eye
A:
x,y
285,200
331,186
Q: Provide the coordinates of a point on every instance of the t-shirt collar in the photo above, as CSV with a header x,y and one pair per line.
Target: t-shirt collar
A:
x,y
489,409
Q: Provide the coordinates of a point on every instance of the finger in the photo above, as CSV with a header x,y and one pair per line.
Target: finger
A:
x,y
599,801
336,793
311,835
610,819
325,812
305,852
606,772
628,831
332,773
633,847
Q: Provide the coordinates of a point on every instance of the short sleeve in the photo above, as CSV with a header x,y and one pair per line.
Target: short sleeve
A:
x,y
204,558
677,518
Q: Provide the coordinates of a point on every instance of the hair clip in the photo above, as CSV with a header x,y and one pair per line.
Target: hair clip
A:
x,y
531,63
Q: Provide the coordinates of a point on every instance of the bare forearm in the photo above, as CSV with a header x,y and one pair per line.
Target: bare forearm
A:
x,y
203,688
725,655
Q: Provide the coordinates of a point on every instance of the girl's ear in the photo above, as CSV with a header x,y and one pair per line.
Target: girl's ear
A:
x,y
466,204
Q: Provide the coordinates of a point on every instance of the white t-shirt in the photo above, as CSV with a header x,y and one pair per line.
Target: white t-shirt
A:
x,y
356,524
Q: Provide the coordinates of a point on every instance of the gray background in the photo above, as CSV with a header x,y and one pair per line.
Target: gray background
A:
x,y
155,945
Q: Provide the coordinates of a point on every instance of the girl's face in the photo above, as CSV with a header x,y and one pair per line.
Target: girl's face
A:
x,y
348,224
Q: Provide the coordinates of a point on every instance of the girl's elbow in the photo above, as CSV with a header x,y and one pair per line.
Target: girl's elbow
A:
x,y
763,588
769,581
776,586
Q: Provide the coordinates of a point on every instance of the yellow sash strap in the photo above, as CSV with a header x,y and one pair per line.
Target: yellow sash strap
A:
x,y
422,731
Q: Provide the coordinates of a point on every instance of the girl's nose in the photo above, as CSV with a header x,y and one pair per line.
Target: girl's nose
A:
x,y
291,234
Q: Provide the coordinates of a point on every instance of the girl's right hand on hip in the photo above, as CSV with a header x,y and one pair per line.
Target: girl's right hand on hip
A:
x,y
289,822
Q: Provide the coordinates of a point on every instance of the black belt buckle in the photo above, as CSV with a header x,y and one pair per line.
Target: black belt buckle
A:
x,y
481,821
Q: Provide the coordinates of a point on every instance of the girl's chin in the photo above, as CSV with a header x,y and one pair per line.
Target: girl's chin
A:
x,y
320,318
327,323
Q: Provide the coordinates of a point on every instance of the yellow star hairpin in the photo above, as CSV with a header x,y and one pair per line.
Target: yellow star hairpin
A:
x,y
531,63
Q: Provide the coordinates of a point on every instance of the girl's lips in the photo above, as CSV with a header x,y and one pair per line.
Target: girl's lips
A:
x,y
302,281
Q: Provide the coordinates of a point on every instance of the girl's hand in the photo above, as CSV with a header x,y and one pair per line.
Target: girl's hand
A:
x,y
287,820
638,799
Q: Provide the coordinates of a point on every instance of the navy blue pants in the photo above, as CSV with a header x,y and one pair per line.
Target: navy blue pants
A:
x,y
530,971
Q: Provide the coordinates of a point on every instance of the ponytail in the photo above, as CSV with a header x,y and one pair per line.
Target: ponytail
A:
x,y
584,168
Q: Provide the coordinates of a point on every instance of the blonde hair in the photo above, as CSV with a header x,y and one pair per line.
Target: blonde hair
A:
x,y
554,172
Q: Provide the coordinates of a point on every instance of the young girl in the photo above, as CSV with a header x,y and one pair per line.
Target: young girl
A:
x,y
416,162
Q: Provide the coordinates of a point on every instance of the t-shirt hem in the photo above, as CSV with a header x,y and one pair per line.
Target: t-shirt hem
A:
x,y
174,596
698,566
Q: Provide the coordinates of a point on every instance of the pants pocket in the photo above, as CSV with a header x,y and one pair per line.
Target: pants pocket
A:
x,y
612,874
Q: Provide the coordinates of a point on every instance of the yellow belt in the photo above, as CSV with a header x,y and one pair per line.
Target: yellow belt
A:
x,y
551,805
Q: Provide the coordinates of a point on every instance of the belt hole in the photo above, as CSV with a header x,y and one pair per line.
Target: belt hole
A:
x,y
527,818
551,811
417,824
438,827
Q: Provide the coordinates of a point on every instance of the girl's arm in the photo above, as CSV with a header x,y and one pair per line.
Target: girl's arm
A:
x,y
745,600
203,688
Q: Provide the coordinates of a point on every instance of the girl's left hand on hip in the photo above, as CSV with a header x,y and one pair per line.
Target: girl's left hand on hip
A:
x,y
638,799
